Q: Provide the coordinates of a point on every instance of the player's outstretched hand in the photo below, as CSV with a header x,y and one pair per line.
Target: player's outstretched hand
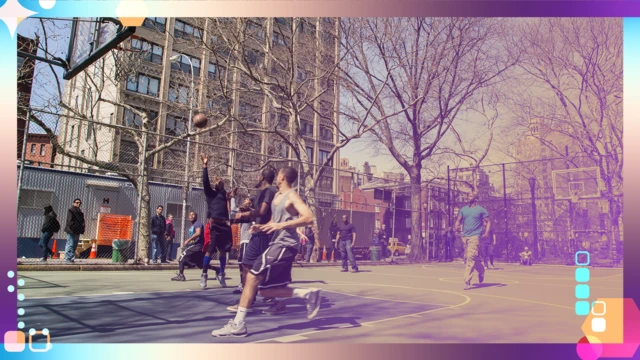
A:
x,y
256,228
269,228
204,158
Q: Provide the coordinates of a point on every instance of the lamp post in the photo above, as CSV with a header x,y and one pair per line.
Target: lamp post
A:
x,y
185,193
532,184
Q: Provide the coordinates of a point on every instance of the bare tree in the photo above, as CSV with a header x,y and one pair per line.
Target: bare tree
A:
x,y
573,72
75,134
436,69
286,73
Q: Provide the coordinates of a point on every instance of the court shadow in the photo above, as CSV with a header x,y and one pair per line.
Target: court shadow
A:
x,y
486,285
317,324
364,271
309,282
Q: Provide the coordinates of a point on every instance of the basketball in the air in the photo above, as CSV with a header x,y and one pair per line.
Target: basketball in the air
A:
x,y
200,120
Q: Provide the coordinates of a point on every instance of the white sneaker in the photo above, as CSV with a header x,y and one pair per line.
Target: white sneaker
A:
x,y
203,281
238,290
313,303
231,330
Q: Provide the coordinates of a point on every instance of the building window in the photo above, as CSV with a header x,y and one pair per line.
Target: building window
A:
x,y
324,155
280,120
183,64
306,128
325,184
144,84
255,30
212,71
302,75
378,222
134,120
33,149
175,126
153,52
20,62
286,22
250,112
307,27
89,131
35,199
377,210
156,23
254,57
181,94
278,39
184,30
310,154
43,149
220,104
326,134
128,152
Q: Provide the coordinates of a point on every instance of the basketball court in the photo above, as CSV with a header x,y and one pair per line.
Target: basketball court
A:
x,y
393,304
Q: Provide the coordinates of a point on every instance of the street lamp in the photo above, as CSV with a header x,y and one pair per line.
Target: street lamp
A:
x,y
173,59
532,184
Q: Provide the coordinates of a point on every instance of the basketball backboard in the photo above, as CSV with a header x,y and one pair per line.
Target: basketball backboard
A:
x,y
92,38
580,183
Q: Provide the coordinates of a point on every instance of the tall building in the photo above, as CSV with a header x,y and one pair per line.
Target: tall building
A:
x,y
161,88
26,67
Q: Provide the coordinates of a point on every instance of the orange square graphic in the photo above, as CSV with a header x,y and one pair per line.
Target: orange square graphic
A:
x,y
14,341
599,308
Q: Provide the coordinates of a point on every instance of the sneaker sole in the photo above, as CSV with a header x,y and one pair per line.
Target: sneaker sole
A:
x,y
230,335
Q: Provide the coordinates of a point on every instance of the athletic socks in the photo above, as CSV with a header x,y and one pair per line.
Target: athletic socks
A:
x,y
205,264
240,315
223,263
301,293
181,267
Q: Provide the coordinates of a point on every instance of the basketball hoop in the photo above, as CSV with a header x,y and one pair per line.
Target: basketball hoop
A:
x,y
575,196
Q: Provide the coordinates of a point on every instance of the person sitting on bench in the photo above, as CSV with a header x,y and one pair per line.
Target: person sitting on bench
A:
x,y
526,258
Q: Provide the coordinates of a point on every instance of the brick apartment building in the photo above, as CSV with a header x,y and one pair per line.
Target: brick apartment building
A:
x,y
40,152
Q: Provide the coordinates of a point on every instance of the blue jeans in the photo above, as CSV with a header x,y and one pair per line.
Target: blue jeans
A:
x,y
44,243
347,253
158,248
70,248
309,251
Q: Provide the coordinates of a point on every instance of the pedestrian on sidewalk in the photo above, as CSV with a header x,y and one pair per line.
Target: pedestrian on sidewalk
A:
x,y
347,239
333,249
158,231
311,241
74,228
50,227
169,235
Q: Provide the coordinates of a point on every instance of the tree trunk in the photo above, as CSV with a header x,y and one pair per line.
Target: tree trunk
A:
x,y
614,215
144,236
417,243
311,203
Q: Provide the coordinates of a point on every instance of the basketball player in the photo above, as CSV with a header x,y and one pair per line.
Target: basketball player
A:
x,y
218,209
271,273
472,219
192,249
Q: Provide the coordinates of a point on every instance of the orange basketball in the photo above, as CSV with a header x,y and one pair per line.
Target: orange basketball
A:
x,y
200,120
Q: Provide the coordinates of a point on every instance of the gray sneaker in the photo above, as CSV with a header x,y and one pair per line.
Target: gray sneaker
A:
x,y
203,281
276,309
467,285
313,303
231,330
223,283
238,290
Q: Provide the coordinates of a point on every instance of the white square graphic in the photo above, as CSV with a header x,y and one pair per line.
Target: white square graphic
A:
x,y
598,324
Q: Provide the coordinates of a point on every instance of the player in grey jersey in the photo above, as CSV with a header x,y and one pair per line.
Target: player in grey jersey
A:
x,y
271,273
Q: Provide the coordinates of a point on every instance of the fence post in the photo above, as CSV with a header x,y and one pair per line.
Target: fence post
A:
x,y
448,197
141,181
506,213
24,150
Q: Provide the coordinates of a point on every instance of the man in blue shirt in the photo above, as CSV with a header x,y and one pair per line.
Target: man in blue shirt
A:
x,y
192,255
472,220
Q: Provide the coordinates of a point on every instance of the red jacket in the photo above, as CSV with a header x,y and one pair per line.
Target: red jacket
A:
x,y
207,236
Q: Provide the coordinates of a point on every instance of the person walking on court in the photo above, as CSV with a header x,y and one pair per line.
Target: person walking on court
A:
x,y
333,232
383,239
170,234
472,219
158,231
49,227
221,238
261,214
346,238
271,273
74,228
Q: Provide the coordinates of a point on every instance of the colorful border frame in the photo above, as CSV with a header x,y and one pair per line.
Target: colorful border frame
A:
x,y
11,10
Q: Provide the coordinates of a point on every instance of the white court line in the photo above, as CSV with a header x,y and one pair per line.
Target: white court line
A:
x,y
370,323
375,298
496,273
136,293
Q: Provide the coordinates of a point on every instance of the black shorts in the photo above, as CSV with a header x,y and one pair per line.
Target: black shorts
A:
x,y
192,256
255,248
221,238
275,265
243,248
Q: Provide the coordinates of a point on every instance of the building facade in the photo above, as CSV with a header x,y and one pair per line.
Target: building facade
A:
x,y
160,87
40,152
26,68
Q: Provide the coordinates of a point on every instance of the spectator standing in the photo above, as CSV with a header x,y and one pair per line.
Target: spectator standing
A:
x,y
169,235
50,227
74,228
333,232
158,231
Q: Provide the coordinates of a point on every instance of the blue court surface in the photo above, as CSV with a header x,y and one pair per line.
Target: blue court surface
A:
x,y
382,304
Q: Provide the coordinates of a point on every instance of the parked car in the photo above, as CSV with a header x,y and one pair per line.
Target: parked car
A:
x,y
397,250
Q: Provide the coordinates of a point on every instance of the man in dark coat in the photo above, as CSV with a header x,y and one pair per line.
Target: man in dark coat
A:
x,y
74,228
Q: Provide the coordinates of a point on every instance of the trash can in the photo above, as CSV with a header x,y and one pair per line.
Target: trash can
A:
x,y
375,253
120,251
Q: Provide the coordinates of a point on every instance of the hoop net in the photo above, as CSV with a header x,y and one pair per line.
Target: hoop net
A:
x,y
127,61
575,196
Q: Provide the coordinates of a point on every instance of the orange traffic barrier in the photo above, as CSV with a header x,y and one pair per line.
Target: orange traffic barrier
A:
x,y
54,249
94,251
324,253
